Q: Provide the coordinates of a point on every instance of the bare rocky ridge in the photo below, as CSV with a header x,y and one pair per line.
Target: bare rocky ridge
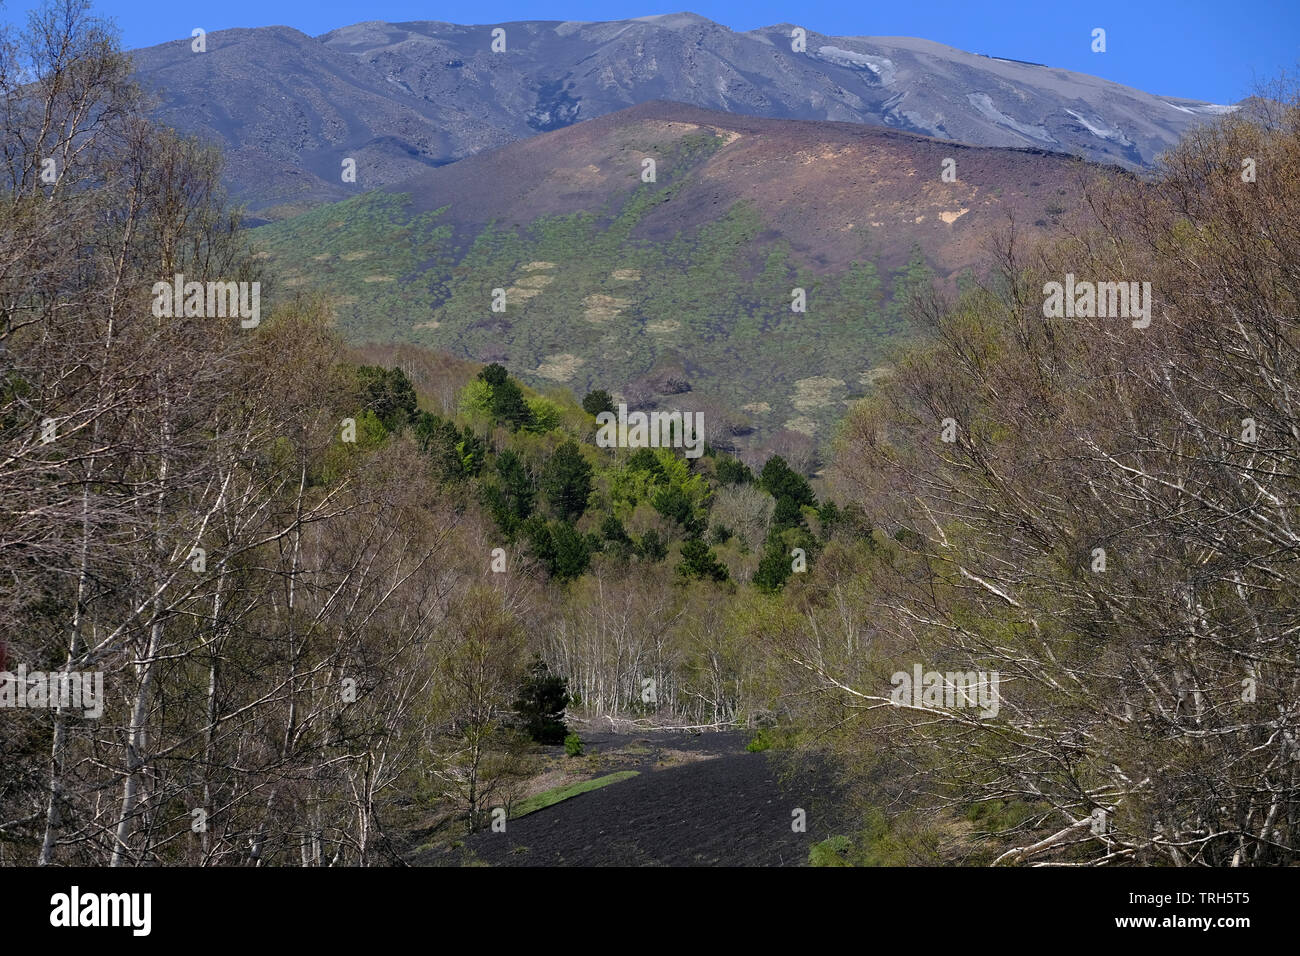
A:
x,y
399,97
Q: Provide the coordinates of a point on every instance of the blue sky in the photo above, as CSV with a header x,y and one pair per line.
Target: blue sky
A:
x,y
1199,49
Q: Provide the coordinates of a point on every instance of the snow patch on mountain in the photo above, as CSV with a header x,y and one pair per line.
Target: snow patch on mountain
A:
x,y
1208,109
1102,131
882,66
895,115
984,103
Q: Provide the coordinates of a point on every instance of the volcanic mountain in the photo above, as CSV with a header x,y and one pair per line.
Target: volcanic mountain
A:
x,y
678,257
289,109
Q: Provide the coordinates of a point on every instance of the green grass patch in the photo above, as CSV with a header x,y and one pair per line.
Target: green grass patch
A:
x,y
550,798
832,852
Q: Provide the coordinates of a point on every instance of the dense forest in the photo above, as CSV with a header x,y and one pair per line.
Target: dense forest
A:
x,y
318,576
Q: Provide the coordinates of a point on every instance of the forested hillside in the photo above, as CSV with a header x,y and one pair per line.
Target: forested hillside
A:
x,y
757,270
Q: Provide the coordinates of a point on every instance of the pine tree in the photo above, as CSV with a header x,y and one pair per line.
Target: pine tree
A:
x,y
541,703
566,481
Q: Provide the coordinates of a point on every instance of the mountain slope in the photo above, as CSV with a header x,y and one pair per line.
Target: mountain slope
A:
x,y
398,96
683,285
286,110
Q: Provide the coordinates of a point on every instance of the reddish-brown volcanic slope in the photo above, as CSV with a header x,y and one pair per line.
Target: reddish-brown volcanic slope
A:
x,y
834,191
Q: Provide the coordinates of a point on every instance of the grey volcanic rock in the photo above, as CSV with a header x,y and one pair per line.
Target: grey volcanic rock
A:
x,y
400,97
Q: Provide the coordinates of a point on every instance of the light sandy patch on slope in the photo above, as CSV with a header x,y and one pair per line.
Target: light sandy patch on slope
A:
x,y
561,367
602,308
825,154
589,175
816,392
528,287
